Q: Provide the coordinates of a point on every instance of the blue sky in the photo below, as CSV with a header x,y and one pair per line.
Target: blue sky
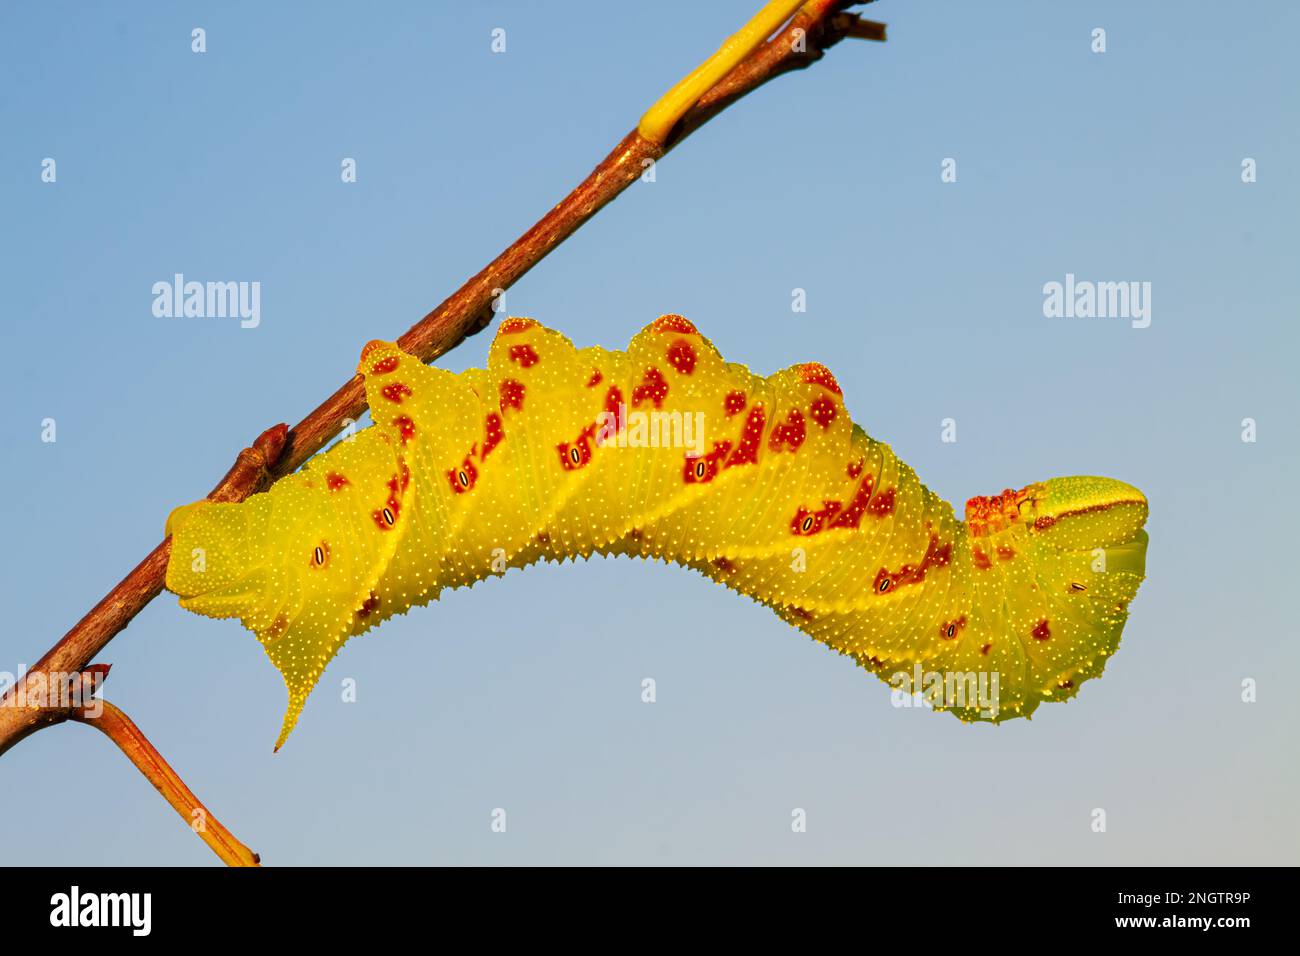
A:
x,y
924,297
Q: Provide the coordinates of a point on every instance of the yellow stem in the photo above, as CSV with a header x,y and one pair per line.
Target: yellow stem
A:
x,y
659,120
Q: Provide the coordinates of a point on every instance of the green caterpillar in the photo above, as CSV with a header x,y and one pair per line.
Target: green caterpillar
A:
x,y
667,451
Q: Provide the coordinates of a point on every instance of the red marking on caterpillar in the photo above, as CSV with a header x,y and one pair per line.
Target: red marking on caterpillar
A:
x,y
751,437
385,517
512,395
822,411
704,468
388,515
851,517
525,355
936,556
614,402
595,379
513,326
734,403
724,565
464,478
578,454
370,348
987,515
1042,631
949,630
980,559
395,392
791,432
406,475
855,468
673,323
368,606
405,427
802,614
652,387
984,648
682,357
818,374
1005,553
883,503
334,481
494,434
805,522
385,365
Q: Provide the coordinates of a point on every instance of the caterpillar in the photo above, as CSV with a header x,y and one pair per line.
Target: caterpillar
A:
x,y
666,451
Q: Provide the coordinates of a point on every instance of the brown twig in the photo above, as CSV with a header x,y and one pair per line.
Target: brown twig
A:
x,y
278,451
120,729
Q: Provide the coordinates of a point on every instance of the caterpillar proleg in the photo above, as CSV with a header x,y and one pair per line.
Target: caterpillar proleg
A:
x,y
667,451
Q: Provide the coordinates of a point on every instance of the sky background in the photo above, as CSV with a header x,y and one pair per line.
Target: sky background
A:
x,y
924,297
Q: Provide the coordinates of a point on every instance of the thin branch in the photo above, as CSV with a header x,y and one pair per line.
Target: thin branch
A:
x,y
817,26
120,729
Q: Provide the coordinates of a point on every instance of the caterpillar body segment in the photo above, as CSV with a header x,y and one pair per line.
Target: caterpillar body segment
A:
x,y
666,450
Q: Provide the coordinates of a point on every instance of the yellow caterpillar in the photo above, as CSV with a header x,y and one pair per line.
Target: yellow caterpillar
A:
x,y
667,451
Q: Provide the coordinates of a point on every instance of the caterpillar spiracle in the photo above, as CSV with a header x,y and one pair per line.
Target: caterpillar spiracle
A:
x,y
763,485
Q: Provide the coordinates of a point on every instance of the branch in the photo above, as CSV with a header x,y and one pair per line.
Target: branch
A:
x,y
817,26
120,729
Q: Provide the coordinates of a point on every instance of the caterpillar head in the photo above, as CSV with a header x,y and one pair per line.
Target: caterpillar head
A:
x,y
210,568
